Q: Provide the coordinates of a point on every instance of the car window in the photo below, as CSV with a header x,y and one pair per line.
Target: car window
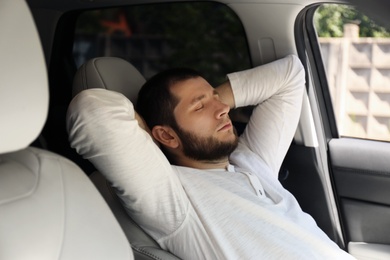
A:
x,y
205,36
356,55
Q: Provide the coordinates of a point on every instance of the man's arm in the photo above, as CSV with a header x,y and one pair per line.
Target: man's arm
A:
x,y
276,89
104,128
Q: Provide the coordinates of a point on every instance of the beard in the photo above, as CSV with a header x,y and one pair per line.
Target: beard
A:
x,y
205,148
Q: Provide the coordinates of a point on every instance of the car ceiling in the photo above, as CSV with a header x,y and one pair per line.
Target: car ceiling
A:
x,y
376,9
66,5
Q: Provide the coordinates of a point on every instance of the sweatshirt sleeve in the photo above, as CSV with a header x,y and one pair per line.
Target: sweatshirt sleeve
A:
x,y
102,128
276,91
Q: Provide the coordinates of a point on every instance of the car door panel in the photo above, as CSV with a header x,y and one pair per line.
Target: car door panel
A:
x,y
361,174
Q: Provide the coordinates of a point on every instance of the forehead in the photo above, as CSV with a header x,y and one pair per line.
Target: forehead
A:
x,y
188,89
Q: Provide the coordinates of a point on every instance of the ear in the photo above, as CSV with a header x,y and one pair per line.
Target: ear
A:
x,y
166,136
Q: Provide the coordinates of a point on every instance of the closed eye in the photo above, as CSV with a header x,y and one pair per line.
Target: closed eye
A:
x,y
198,108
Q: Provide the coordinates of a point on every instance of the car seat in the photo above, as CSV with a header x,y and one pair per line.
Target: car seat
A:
x,y
118,75
49,209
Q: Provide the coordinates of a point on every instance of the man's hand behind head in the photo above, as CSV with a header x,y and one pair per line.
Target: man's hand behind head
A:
x,y
144,126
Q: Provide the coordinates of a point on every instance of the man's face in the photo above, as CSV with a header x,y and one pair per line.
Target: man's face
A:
x,y
204,127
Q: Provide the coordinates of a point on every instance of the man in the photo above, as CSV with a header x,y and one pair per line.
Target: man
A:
x,y
220,197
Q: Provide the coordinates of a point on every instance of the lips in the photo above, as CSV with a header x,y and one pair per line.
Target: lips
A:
x,y
225,126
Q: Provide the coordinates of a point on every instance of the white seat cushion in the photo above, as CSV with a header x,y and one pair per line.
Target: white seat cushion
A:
x,y
49,209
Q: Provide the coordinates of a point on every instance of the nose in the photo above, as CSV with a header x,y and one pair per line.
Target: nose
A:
x,y
221,109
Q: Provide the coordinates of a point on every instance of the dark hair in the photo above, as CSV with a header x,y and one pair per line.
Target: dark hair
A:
x,y
156,102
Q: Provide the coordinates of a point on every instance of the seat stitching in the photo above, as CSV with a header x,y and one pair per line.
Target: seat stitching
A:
x,y
63,206
145,252
98,72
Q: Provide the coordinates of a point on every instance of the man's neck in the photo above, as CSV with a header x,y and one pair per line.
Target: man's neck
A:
x,y
216,164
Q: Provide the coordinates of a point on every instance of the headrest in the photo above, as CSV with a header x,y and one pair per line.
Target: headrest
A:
x,y
24,94
109,73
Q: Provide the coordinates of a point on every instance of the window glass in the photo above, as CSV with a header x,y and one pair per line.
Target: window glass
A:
x,y
205,36
356,55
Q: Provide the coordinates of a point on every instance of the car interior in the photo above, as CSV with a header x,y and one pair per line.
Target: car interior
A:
x,y
54,204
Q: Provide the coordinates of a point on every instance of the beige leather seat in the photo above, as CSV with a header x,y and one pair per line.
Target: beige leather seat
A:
x,y
49,209
118,75
109,73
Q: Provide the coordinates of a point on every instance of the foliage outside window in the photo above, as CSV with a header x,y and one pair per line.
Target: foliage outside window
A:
x,y
330,19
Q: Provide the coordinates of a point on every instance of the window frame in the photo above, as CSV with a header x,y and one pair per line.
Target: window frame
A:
x,y
310,50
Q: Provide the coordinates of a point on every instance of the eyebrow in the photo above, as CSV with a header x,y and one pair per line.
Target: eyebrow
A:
x,y
199,98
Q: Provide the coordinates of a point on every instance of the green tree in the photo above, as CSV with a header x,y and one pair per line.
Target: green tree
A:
x,y
329,20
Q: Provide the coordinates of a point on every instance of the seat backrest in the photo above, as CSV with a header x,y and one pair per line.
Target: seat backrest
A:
x,y
118,75
109,73
144,247
49,209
